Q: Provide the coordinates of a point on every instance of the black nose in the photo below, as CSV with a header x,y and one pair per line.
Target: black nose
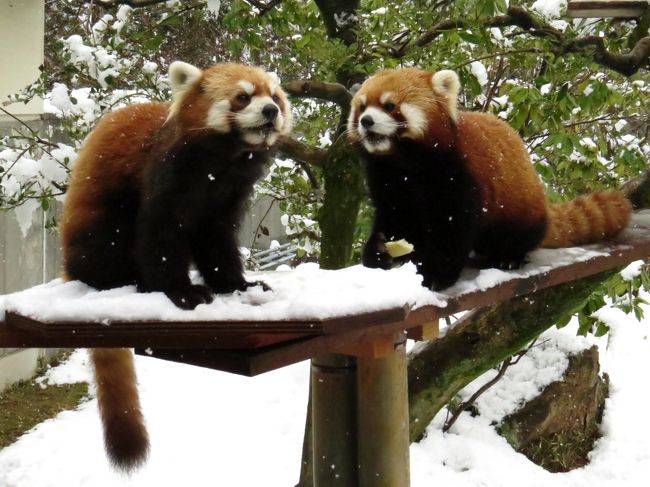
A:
x,y
367,121
270,112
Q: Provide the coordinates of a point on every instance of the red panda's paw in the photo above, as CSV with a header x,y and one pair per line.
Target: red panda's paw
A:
x,y
265,287
375,254
190,297
230,286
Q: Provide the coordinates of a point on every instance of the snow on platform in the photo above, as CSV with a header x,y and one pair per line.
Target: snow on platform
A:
x,y
310,293
307,292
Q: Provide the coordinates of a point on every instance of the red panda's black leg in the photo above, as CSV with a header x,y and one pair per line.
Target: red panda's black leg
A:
x,y
505,245
164,258
440,261
217,258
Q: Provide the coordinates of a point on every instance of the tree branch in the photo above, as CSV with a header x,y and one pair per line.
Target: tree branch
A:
x,y
301,152
130,3
334,92
340,19
264,7
626,64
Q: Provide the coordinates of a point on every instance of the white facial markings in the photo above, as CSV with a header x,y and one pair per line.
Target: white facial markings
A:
x,y
217,117
251,116
247,86
252,138
381,146
416,121
271,139
363,99
254,124
383,124
351,119
385,96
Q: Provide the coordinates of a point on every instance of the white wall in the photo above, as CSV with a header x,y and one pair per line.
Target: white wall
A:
x,y
21,52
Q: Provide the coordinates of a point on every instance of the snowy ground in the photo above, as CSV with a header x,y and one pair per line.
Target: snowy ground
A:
x,y
211,428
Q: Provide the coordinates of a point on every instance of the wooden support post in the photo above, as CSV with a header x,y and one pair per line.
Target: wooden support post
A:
x,y
383,418
334,419
425,332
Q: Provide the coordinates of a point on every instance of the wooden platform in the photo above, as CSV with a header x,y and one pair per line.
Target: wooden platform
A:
x,y
253,347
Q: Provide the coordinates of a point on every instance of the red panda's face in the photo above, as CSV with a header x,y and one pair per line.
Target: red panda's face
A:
x,y
401,104
230,98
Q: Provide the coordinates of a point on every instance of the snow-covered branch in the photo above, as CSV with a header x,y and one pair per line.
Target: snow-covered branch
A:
x,y
130,3
264,7
627,64
339,18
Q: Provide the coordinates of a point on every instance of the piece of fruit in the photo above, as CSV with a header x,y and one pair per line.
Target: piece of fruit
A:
x,y
398,248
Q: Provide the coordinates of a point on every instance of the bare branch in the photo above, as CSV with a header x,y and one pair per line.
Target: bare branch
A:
x,y
334,92
301,152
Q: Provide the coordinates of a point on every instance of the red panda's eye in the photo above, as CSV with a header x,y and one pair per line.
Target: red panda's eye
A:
x,y
275,98
389,107
362,107
244,98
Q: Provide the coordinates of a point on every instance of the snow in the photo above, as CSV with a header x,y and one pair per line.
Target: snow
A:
x,y
214,6
550,9
206,426
307,292
479,72
632,270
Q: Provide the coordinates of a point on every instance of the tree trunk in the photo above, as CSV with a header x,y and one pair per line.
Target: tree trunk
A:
x,y
482,339
344,190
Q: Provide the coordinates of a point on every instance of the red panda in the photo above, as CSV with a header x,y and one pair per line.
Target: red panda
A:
x,y
454,183
158,187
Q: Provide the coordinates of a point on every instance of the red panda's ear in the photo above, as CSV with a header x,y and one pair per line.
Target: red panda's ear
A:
x,y
445,83
182,76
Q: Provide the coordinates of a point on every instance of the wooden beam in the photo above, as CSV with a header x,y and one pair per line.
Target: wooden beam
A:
x,y
425,332
626,9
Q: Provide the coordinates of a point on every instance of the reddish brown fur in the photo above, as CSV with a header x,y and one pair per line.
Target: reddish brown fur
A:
x,y
499,161
123,140
125,434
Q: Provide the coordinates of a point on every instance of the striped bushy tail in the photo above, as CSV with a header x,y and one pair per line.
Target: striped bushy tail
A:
x,y
588,219
125,435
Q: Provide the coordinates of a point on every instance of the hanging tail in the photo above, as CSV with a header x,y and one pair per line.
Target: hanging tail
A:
x,y
125,435
588,219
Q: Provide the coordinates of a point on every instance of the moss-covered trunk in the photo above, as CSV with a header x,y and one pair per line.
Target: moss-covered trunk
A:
x,y
338,216
482,339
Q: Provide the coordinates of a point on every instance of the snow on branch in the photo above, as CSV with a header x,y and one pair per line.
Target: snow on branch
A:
x,y
264,7
130,3
626,64
334,92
